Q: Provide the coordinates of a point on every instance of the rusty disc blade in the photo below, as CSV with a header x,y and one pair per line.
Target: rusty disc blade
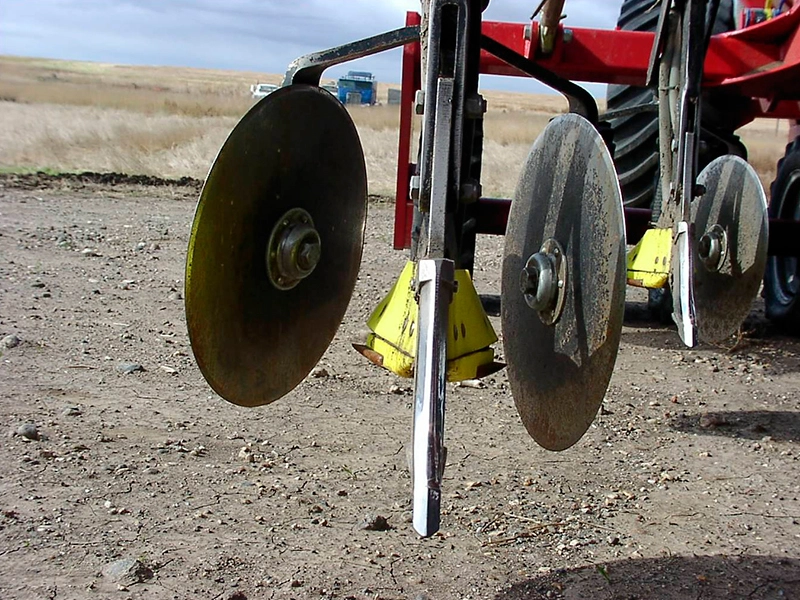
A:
x,y
734,202
296,149
567,192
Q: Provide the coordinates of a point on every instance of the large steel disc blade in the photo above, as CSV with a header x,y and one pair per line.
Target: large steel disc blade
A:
x,y
568,193
296,149
731,228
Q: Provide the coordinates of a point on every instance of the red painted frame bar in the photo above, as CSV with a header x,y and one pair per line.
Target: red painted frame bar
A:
x,y
492,216
760,63
404,210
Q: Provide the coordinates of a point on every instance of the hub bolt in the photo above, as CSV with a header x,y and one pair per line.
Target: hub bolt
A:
x,y
711,248
294,249
309,252
538,282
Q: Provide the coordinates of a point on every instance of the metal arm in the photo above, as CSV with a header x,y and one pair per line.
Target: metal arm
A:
x,y
580,101
440,170
680,68
309,68
551,16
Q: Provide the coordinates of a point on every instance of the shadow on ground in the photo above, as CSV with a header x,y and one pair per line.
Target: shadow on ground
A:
x,y
670,578
491,304
781,426
637,314
757,336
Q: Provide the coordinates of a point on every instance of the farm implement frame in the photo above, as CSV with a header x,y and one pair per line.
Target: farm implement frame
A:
x,y
758,67
277,238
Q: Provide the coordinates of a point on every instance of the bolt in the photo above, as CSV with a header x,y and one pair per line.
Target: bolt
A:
x,y
710,248
308,254
470,191
528,33
419,102
475,106
415,185
537,282
529,280
568,36
704,246
709,251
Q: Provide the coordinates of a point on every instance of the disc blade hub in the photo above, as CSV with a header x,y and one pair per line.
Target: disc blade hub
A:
x,y
712,247
542,281
294,249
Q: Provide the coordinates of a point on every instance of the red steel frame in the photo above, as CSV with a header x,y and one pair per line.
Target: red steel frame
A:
x,y
759,64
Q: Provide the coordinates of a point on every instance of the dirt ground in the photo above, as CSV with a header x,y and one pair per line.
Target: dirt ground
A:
x,y
142,483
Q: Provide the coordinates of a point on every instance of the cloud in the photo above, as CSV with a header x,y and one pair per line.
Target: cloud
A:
x,y
258,35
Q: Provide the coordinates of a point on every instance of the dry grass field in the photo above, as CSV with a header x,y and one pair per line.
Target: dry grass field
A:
x,y
170,122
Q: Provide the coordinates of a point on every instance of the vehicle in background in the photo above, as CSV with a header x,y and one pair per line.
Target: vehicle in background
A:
x,y
332,88
358,87
259,90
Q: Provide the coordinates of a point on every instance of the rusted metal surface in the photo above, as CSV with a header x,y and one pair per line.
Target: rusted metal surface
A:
x,y
296,148
735,201
568,191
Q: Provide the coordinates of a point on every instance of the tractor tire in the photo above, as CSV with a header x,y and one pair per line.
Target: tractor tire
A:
x,y
636,136
782,276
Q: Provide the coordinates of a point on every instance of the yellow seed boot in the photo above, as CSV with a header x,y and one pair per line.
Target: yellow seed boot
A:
x,y
648,262
392,342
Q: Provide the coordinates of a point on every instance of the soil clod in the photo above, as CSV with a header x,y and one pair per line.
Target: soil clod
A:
x,y
10,341
129,368
372,522
28,431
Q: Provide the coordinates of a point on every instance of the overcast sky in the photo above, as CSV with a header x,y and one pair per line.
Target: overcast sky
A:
x,y
251,35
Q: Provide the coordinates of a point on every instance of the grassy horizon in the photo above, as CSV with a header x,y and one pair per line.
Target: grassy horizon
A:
x,y
171,121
